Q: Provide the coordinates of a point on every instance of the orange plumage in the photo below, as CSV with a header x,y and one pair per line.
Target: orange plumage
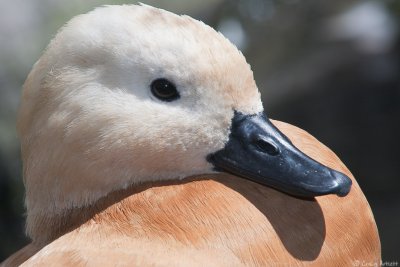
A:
x,y
215,220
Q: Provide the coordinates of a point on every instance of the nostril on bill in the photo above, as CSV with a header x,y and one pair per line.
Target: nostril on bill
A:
x,y
266,146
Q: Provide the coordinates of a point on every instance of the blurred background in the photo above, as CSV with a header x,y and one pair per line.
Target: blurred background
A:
x,y
329,67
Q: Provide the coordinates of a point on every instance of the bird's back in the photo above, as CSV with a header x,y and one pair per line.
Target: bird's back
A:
x,y
217,220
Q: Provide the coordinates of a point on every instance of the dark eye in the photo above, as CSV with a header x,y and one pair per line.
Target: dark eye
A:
x,y
164,90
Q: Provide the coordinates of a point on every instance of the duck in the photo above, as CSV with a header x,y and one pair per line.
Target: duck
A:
x,y
145,143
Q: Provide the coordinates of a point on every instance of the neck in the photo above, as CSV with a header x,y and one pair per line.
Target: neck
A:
x,y
68,220
199,212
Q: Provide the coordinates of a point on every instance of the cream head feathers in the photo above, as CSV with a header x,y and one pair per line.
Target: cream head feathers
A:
x,y
89,124
129,94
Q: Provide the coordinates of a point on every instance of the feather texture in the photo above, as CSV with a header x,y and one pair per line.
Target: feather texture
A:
x,y
216,220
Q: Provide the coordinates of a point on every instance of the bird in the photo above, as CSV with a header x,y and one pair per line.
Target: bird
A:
x,y
145,143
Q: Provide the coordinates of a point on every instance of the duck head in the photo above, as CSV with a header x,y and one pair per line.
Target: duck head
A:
x,y
129,94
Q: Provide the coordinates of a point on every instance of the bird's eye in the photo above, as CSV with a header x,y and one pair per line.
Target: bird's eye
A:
x,y
164,90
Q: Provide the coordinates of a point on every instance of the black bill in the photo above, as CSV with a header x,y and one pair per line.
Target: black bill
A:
x,y
258,151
